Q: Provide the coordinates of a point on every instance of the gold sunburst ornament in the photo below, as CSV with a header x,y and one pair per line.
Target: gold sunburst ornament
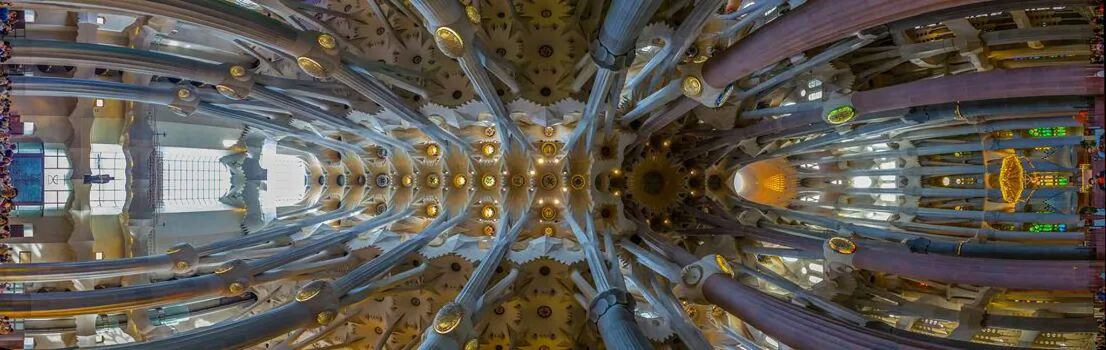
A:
x,y
488,149
548,149
548,213
488,181
433,180
433,150
487,212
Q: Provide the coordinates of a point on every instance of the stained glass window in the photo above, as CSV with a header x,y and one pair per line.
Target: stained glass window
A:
x,y
1048,132
1048,227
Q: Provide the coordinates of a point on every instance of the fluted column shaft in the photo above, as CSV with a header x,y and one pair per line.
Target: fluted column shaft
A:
x,y
299,313
796,326
820,22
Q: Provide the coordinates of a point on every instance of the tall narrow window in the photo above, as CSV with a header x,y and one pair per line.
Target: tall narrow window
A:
x,y
1049,179
1048,132
287,179
192,179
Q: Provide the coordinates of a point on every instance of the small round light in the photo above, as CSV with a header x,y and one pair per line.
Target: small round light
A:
x,y
182,265
407,181
184,93
548,231
489,230
459,180
549,131
432,210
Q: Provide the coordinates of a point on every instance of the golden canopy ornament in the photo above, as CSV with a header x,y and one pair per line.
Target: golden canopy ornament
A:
x,y
1011,179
